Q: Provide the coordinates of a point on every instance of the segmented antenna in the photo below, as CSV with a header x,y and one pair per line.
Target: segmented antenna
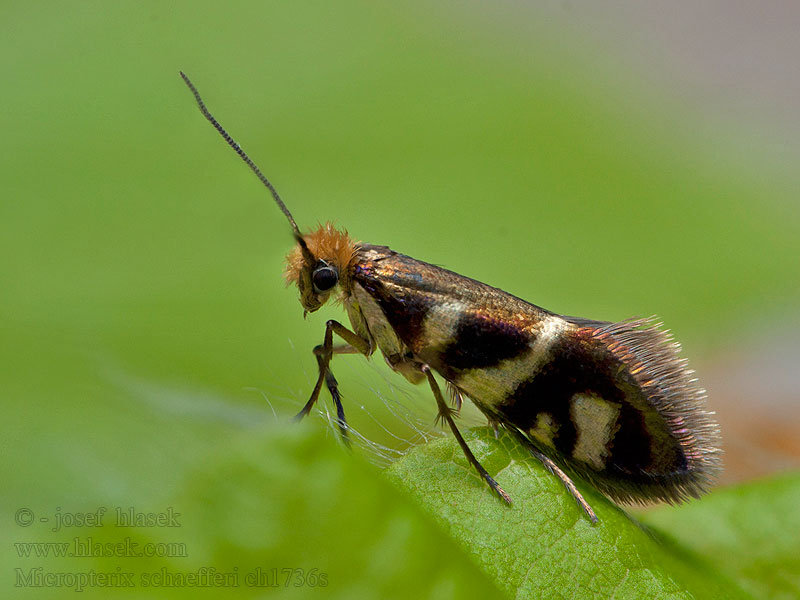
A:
x,y
253,167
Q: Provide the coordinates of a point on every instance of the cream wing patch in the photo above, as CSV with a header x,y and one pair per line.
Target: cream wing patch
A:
x,y
545,429
441,321
595,422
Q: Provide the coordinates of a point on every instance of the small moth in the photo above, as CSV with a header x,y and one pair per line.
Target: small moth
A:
x,y
610,402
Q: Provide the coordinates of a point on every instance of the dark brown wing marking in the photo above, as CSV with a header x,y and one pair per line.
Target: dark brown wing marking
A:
x,y
481,341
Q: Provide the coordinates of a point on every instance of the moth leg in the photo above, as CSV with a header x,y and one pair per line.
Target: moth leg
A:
x,y
555,470
446,414
340,349
333,386
455,396
324,352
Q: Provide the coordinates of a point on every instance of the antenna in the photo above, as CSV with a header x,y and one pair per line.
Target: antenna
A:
x,y
243,155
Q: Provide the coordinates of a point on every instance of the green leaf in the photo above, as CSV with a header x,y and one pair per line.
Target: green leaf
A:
x,y
543,546
750,532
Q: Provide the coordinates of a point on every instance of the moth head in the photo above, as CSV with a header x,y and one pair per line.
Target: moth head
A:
x,y
320,265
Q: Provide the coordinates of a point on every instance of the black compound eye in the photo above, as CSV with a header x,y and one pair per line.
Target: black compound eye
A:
x,y
324,278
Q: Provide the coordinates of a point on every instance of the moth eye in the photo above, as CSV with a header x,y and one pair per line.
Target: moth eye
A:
x,y
325,278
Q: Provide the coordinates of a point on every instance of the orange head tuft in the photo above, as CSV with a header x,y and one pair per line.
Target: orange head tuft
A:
x,y
324,264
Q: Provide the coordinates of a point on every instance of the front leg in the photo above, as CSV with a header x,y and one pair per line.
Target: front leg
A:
x,y
324,353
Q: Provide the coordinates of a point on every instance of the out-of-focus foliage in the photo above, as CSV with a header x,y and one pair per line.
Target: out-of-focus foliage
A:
x,y
748,532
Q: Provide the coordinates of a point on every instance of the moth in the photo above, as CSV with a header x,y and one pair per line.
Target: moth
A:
x,y
613,403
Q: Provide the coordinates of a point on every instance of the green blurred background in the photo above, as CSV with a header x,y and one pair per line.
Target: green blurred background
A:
x,y
145,329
